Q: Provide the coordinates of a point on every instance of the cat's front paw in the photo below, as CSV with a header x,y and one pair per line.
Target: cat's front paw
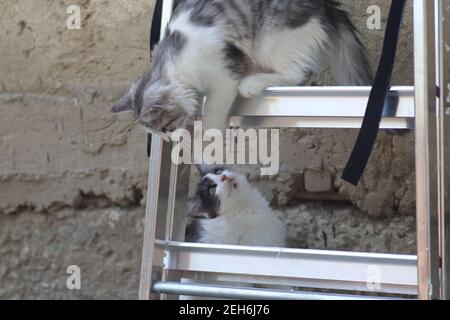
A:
x,y
252,86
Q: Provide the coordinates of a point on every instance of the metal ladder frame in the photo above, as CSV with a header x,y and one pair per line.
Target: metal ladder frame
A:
x,y
166,260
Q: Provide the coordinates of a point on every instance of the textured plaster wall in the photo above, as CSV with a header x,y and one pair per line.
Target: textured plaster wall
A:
x,y
73,176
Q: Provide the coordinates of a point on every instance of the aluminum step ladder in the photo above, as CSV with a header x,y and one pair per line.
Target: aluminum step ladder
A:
x,y
167,259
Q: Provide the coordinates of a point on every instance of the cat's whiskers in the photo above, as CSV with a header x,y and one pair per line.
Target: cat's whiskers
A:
x,y
127,129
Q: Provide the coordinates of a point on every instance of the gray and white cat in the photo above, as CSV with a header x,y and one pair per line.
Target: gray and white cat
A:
x,y
223,48
227,209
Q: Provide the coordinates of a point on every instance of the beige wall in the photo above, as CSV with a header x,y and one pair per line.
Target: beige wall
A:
x,y
59,141
64,156
58,138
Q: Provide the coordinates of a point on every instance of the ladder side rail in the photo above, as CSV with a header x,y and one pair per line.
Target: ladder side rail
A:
x,y
150,219
426,150
444,114
178,193
154,193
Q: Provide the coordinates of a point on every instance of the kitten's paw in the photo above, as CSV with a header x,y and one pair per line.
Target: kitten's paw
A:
x,y
252,86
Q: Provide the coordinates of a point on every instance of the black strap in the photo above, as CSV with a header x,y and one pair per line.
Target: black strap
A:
x,y
155,32
372,119
155,36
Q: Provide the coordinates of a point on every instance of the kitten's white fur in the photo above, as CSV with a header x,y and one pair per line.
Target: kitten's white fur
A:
x,y
244,218
289,55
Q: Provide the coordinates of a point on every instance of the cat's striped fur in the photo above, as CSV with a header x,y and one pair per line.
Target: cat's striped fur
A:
x,y
223,48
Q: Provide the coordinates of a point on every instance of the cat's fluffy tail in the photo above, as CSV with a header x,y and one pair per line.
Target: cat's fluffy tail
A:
x,y
349,63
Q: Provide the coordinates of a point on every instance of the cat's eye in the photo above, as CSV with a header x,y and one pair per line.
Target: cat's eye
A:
x,y
212,191
218,172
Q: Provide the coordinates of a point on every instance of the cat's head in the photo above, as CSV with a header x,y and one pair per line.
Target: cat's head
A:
x,y
158,100
159,107
219,190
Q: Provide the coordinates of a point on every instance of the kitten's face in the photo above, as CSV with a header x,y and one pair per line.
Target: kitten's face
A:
x,y
160,109
158,100
219,190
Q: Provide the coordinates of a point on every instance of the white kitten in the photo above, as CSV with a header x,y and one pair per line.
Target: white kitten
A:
x,y
227,209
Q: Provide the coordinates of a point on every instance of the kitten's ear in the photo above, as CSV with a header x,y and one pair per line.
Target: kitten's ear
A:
x,y
205,169
196,209
124,105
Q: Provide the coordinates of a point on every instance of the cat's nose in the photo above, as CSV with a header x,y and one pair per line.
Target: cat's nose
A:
x,y
226,178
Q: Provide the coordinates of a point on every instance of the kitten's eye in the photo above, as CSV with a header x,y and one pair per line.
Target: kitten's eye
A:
x,y
219,172
212,190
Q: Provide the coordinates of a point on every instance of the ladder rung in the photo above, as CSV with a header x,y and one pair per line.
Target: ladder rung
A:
x,y
319,107
223,292
397,274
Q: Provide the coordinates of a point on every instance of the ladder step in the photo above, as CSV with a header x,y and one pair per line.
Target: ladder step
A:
x,y
224,292
319,107
394,274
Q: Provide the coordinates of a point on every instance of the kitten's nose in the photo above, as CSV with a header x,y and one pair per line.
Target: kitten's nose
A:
x,y
226,178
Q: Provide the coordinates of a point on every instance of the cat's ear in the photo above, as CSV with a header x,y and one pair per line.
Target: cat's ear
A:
x,y
205,169
196,209
124,105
